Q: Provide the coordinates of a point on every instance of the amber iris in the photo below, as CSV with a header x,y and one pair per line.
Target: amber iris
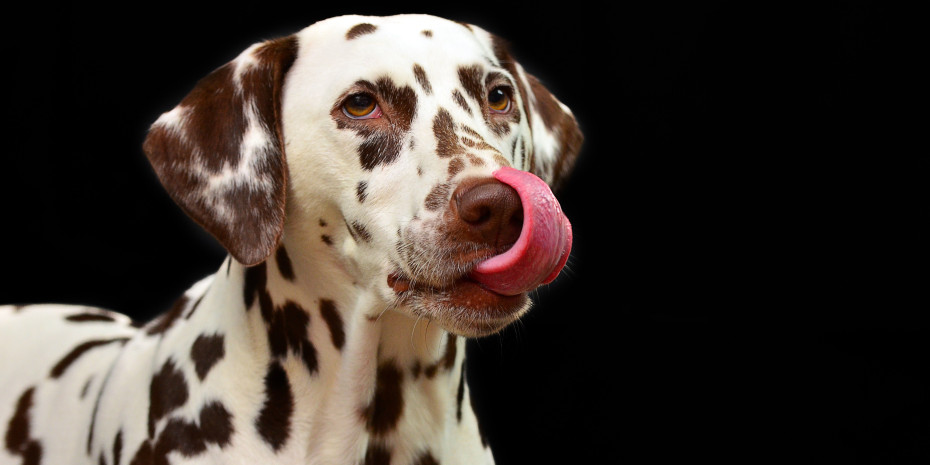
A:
x,y
499,100
359,105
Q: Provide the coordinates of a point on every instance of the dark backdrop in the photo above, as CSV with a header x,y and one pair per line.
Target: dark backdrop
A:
x,y
736,290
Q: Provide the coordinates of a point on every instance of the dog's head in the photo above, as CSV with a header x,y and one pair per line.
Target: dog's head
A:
x,y
416,133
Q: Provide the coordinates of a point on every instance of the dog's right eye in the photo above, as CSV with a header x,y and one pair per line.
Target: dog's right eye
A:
x,y
361,106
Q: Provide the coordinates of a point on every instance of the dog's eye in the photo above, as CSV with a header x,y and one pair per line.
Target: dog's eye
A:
x,y
499,100
361,106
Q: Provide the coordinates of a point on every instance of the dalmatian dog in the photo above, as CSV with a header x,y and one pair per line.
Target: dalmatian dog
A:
x,y
383,186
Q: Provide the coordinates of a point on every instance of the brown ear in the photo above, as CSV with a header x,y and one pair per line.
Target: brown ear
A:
x,y
220,152
557,137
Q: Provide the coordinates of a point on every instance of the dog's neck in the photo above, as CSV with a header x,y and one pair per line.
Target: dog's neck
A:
x,y
365,382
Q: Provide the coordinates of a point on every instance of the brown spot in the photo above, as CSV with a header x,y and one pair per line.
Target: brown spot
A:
x,y
77,352
447,142
438,196
256,280
361,191
500,160
480,145
208,140
188,438
420,75
334,321
274,421
426,458
284,264
194,307
471,79
216,424
448,360
287,330
117,447
377,454
460,394
86,386
459,99
359,232
205,352
455,166
89,317
322,223
18,440
474,159
167,319
360,30
384,411
167,391
143,456
427,33
181,436
326,239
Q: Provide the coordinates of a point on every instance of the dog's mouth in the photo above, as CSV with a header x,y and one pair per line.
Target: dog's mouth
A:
x,y
463,305
481,291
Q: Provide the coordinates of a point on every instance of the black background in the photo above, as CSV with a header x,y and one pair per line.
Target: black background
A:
x,y
744,237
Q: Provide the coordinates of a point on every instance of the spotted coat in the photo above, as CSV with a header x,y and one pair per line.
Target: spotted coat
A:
x,y
334,332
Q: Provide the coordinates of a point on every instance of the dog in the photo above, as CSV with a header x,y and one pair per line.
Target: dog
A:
x,y
383,186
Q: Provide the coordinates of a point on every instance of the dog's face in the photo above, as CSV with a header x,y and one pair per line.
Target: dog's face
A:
x,y
394,126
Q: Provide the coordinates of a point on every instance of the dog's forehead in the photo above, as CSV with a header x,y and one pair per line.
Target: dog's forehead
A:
x,y
363,47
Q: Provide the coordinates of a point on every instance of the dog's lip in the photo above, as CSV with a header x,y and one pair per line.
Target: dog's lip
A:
x,y
401,283
464,290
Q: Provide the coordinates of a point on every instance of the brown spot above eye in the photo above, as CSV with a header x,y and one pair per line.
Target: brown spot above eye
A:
x,y
470,78
360,30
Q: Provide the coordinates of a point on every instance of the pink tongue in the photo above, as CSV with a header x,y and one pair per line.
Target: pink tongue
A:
x,y
544,244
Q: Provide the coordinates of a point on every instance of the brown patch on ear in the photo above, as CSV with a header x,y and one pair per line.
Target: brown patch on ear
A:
x,y
556,120
220,152
563,125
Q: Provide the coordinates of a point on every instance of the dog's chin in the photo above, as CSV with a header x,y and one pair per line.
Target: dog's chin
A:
x,y
462,307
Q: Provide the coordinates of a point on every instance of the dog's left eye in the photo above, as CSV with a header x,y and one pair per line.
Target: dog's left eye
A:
x,y
499,100
361,106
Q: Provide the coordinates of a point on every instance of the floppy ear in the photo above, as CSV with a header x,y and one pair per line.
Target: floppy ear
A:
x,y
220,152
557,137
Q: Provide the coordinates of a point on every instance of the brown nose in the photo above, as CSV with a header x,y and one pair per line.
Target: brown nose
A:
x,y
490,212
